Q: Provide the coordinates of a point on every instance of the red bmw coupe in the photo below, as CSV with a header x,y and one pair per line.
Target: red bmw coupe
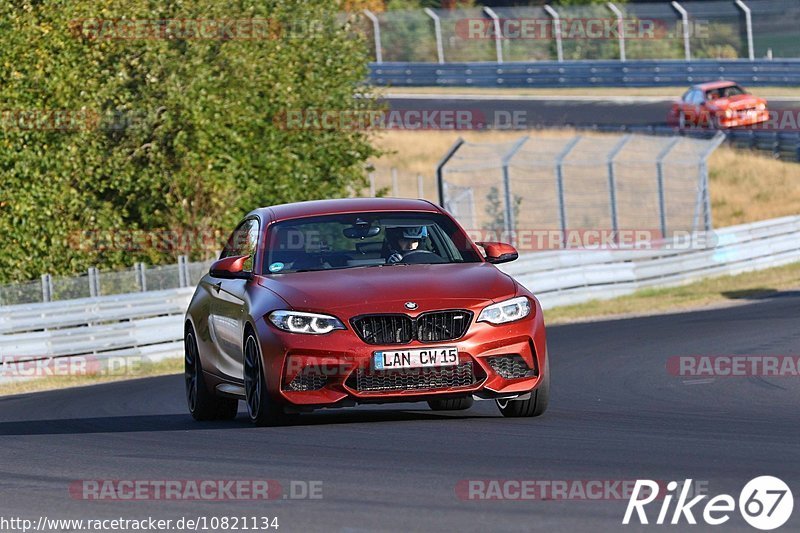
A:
x,y
718,104
335,303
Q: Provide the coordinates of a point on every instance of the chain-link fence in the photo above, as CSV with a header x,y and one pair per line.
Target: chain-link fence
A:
x,y
398,183
566,183
714,29
138,278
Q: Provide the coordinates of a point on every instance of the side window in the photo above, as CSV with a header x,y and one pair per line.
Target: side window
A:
x,y
687,97
243,241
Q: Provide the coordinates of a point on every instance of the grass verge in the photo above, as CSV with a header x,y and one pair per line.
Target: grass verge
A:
x,y
709,292
143,370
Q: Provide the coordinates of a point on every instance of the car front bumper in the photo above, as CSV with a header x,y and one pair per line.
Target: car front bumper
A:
x,y
747,119
336,369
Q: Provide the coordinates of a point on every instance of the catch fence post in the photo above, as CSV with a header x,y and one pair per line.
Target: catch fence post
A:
x,y
376,27
556,31
562,210
612,186
509,222
437,28
662,202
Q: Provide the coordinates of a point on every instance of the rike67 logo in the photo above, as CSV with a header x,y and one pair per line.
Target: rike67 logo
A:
x,y
765,503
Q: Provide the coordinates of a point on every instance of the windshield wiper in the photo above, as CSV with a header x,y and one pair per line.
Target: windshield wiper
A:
x,y
318,269
344,267
383,265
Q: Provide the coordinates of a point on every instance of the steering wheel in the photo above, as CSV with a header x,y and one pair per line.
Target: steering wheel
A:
x,y
421,257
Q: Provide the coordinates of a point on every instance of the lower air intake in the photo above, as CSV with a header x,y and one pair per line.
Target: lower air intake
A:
x,y
307,382
413,379
511,367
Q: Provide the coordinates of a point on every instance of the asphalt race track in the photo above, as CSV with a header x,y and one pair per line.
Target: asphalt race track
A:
x,y
536,112
616,414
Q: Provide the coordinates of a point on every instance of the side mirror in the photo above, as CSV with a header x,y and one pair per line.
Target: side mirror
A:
x,y
498,252
230,268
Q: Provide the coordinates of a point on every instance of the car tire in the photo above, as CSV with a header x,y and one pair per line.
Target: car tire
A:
x,y
203,404
261,409
533,406
452,404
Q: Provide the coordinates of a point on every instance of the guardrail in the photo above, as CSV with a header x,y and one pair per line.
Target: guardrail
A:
x,y
783,145
150,324
570,277
145,325
637,73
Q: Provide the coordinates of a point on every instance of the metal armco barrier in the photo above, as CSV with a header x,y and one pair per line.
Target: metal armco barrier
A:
x,y
142,325
783,145
638,73
569,277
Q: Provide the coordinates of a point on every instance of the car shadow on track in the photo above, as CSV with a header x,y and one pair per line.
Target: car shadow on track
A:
x,y
759,293
180,422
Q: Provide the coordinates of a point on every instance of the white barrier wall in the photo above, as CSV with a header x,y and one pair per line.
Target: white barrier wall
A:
x,y
567,277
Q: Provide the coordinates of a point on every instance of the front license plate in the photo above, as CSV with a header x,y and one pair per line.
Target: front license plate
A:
x,y
416,358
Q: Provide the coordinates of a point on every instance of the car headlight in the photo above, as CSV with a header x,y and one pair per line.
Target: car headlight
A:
x,y
729,113
507,311
299,322
761,107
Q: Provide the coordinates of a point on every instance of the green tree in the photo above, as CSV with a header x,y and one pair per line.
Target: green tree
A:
x,y
180,133
495,210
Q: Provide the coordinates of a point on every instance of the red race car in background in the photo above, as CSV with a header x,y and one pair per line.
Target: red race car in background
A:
x,y
338,302
718,105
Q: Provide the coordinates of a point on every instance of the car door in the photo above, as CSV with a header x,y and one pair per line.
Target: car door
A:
x,y
682,111
228,309
692,107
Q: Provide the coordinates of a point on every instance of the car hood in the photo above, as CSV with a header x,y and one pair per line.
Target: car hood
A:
x,y
386,289
740,101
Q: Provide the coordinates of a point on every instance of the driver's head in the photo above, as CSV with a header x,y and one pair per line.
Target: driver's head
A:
x,y
407,239
407,245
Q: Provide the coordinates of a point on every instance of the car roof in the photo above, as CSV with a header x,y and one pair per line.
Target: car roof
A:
x,y
343,205
714,85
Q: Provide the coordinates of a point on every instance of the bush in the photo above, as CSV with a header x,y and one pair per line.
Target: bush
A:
x,y
176,134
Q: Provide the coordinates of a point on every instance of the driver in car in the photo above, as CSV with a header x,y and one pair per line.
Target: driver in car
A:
x,y
402,241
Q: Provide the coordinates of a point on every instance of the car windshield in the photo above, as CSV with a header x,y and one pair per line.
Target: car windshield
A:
x,y
357,240
724,92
